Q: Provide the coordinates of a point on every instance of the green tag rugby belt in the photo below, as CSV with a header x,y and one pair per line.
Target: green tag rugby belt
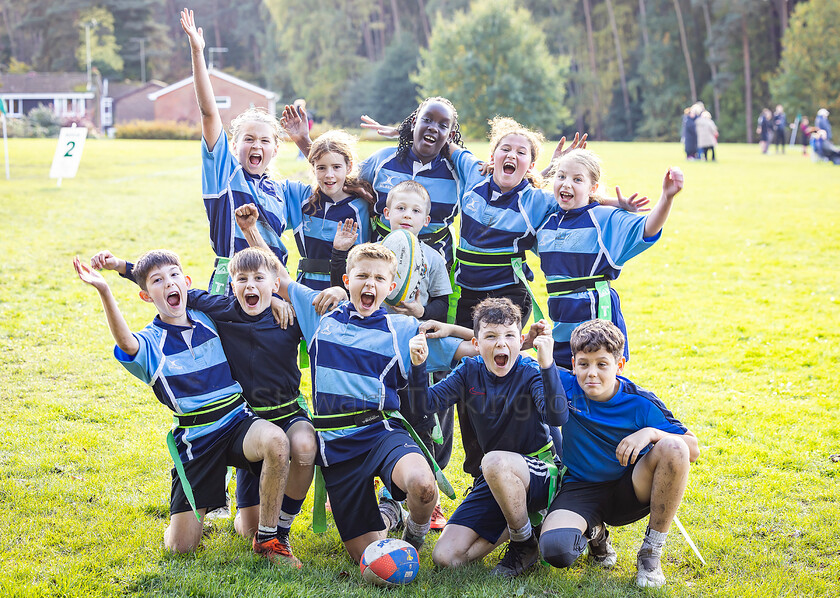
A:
x,y
429,238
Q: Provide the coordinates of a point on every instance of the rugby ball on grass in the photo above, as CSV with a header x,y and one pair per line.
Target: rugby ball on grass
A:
x,y
410,264
389,562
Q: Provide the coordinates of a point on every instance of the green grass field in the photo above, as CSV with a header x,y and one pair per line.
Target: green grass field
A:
x,y
733,321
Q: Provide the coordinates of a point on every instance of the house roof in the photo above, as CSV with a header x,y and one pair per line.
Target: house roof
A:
x,y
269,95
46,83
121,90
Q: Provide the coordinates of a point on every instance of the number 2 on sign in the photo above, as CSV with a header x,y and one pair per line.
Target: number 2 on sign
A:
x,y
70,146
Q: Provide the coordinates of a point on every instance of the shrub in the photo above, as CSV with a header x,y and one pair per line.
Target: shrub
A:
x,y
158,129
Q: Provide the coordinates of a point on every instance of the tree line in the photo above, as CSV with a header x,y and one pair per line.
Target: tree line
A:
x,y
619,69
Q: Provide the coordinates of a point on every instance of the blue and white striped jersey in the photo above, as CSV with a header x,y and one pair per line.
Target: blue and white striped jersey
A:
x,y
225,186
496,222
359,364
383,170
314,233
587,241
187,370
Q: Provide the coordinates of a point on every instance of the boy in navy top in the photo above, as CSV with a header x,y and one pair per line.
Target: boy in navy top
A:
x,y
627,457
180,356
506,394
261,354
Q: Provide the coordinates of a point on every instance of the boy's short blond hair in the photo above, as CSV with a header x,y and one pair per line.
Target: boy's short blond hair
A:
x,y
496,310
594,335
252,259
151,260
410,186
372,251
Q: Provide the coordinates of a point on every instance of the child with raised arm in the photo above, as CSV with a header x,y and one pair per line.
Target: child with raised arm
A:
x,y
424,145
181,357
262,357
626,456
583,246
361,360
408,207
506,394
235,173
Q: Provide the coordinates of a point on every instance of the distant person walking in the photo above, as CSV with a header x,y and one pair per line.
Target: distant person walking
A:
x,y
690,133
707,134
779,128
764,129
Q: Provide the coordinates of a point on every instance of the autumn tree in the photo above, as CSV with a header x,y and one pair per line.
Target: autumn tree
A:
x,y
808,77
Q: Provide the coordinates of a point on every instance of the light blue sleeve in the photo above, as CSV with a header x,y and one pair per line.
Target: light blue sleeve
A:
x,y
441,350
296,194
442,353
622,233
145,362
216,165
364,220
467,167
369,166
301,298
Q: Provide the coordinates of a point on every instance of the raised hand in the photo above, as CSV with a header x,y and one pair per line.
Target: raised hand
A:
x,y
673,182
294,121
195,35
634,203
579,142
105,260
247,216
89,276
346,234
383,130
544,344
419,348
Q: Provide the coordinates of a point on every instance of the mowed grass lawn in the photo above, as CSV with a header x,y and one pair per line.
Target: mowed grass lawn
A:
x,y
733,321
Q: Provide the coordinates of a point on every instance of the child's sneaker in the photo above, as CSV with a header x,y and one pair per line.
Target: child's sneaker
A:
x,y
438,520
518,558
601,551
277,551
416,541
649,570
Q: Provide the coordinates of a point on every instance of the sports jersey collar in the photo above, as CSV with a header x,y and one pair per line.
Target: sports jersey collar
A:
x,y
494,188
172,327
428,166
326,199
258,179
352,313
580,210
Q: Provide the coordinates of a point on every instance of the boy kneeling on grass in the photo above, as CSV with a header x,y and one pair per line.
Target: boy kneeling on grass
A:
x,y
626,455
181,357
361,359
506,395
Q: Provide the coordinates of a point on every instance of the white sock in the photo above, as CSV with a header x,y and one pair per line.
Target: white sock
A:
x,y
521,534
416,529
655,539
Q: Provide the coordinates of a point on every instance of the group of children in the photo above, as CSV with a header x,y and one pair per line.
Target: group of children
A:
x,y
225,362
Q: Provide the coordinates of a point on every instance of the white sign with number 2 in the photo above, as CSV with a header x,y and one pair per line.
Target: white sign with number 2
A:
x,y
68,153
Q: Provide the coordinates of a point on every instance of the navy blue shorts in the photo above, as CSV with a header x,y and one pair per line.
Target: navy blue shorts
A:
x,y
208,472
481,513
248,484
350,484
613,503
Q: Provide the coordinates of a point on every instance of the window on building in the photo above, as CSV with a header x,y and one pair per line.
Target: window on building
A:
x,y
223,102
